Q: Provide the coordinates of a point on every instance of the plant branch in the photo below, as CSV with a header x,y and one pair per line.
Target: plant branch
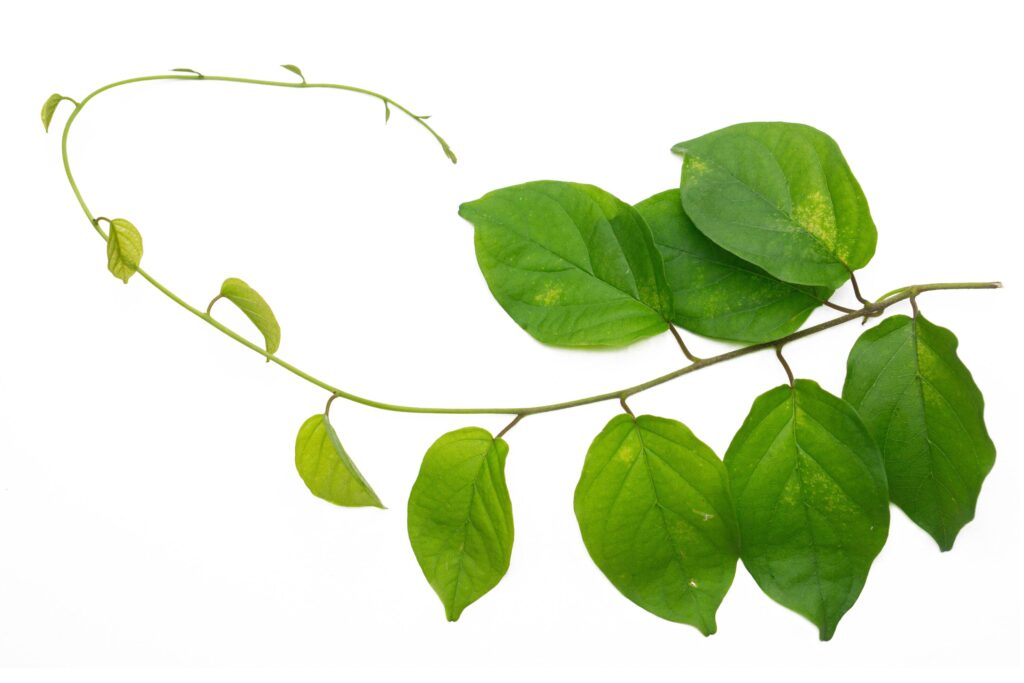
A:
x,y
868,309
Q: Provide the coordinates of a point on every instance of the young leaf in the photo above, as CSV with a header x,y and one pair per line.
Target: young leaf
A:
x,y
295,70
327,469
255,308
570,263
188,71
460,517
49,107
781,196
656,516
716,293
124,249
811,500
922,406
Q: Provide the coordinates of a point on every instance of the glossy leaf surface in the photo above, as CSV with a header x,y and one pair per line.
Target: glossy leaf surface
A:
x,y
927,415
460,517
573,265
124,249
716,293
811,500
781,196
655,513
327,469
256,309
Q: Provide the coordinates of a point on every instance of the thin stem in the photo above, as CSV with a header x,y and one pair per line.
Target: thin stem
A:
x,y
785,365
625,406
509,426
856,289
327,408
621,395
913,305
837,307
682,345
212,302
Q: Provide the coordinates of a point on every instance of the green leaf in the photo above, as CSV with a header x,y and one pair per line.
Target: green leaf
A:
x,y
255,308
188,71
716,293
49,107
811,500
922,406
460,517
327,469
781,196
573,265
295,70
656,516
124,249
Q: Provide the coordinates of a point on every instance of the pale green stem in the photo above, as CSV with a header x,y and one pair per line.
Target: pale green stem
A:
x,y
882,304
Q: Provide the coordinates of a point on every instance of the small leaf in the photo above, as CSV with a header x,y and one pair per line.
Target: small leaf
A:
x,y
49,107
656,516
570,263
387,112
124,249
189,71
295,70
255,308
921,404
781,196
460,517
811,500
716,293
327,469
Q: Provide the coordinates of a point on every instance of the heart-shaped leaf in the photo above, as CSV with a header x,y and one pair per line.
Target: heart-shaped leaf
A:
x,y
570,263
716,293
927,414
256,310
655,513
327,469
811,500
781,196
124,249
460,517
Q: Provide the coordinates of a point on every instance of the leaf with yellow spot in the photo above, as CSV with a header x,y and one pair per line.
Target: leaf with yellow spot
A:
x,y
655,513
781,196
921,404
573,265
811,500
716,293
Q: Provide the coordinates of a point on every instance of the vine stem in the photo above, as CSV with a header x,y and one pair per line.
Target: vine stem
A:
x,y
869,308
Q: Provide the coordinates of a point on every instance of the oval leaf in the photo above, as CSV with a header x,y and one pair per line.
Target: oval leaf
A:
x,y
781,196
656,516
573,265
922,406
327,469
716,293
255,308
460,517
49,107
811,500
124,249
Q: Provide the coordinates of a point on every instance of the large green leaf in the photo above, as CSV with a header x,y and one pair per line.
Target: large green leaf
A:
x,y
256,309
654,510
781,196
460,517
716,293
327,469
573,265
124,249
811,500
924,409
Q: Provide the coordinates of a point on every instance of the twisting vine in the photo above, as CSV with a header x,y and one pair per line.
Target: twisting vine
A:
x,y
767,223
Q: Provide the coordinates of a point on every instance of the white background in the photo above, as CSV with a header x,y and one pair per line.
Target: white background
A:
x,y
150,514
